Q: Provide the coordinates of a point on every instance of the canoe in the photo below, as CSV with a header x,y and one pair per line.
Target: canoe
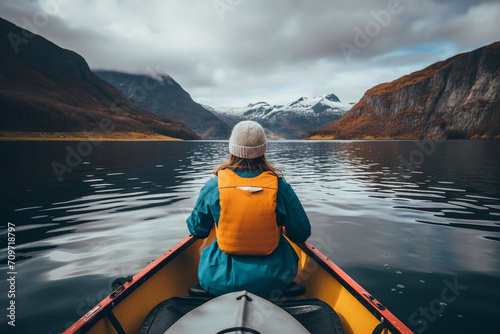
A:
x,y
174,273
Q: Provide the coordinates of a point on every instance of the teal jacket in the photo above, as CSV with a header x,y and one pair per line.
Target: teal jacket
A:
x,y
220,273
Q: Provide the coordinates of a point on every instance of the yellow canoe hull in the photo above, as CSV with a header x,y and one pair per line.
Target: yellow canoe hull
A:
x,y
175,271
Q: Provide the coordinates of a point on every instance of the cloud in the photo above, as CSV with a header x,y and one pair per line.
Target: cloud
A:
x,y
237,52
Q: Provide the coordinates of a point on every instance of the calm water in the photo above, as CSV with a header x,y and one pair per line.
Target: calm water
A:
x,y
424,240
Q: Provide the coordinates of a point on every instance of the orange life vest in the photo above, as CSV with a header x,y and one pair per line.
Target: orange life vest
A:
x,y
247,223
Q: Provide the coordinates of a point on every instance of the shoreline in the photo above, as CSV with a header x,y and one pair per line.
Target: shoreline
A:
x,y
79,136
325,137
136,136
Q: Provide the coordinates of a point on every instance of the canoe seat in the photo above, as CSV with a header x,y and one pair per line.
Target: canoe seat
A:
x,y
198,291
293,290
315,315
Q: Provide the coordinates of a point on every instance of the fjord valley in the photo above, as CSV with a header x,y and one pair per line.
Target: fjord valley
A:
x,y
96,187
50,92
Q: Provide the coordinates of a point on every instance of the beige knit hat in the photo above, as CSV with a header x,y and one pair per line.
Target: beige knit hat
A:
x,y
248,140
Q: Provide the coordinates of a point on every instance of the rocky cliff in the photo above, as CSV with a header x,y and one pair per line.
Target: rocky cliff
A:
x,y
165,97
45,88
455,98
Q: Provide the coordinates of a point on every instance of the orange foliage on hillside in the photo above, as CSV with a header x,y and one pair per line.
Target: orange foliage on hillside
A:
x,y
386,89
363,121
368,126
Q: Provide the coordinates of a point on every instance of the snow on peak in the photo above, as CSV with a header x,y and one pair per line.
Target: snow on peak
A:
x,y
291,120
258,105
303,106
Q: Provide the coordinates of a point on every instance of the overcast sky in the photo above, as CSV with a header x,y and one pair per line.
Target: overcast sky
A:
x,y
236,52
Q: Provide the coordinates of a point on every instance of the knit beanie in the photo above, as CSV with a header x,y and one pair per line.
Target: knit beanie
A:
x,y
248,140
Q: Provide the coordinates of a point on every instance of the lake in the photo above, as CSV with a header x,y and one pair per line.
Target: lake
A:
x,y
416,223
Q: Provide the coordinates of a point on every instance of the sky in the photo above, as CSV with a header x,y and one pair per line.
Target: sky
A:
x,y
235,52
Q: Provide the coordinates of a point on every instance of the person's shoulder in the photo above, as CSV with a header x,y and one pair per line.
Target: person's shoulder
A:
x,y
282,184
212,183
209,188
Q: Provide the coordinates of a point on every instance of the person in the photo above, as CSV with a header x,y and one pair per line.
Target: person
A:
x,y
249,202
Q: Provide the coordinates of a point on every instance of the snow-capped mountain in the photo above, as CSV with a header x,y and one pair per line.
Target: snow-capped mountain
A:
x,y
289,121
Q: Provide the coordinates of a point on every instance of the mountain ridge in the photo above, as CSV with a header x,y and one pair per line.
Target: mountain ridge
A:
x,y
165,97
455,98
288,121
44,87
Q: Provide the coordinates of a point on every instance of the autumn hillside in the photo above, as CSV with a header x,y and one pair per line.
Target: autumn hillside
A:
x,y
455,98
49,89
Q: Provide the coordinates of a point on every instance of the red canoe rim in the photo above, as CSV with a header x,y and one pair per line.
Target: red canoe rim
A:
x,y
386,314
102,309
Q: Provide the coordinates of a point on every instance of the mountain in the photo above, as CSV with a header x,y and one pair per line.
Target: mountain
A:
x,y
167,98
49,89
289,121
455,98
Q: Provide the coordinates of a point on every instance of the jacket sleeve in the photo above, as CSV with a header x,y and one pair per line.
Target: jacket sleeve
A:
x,y
201,220
291,214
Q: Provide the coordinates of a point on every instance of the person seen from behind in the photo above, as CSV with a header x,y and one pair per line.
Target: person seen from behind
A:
x,y
250,203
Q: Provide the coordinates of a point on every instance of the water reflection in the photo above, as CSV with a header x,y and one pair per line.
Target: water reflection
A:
x,y
128,201
358,184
